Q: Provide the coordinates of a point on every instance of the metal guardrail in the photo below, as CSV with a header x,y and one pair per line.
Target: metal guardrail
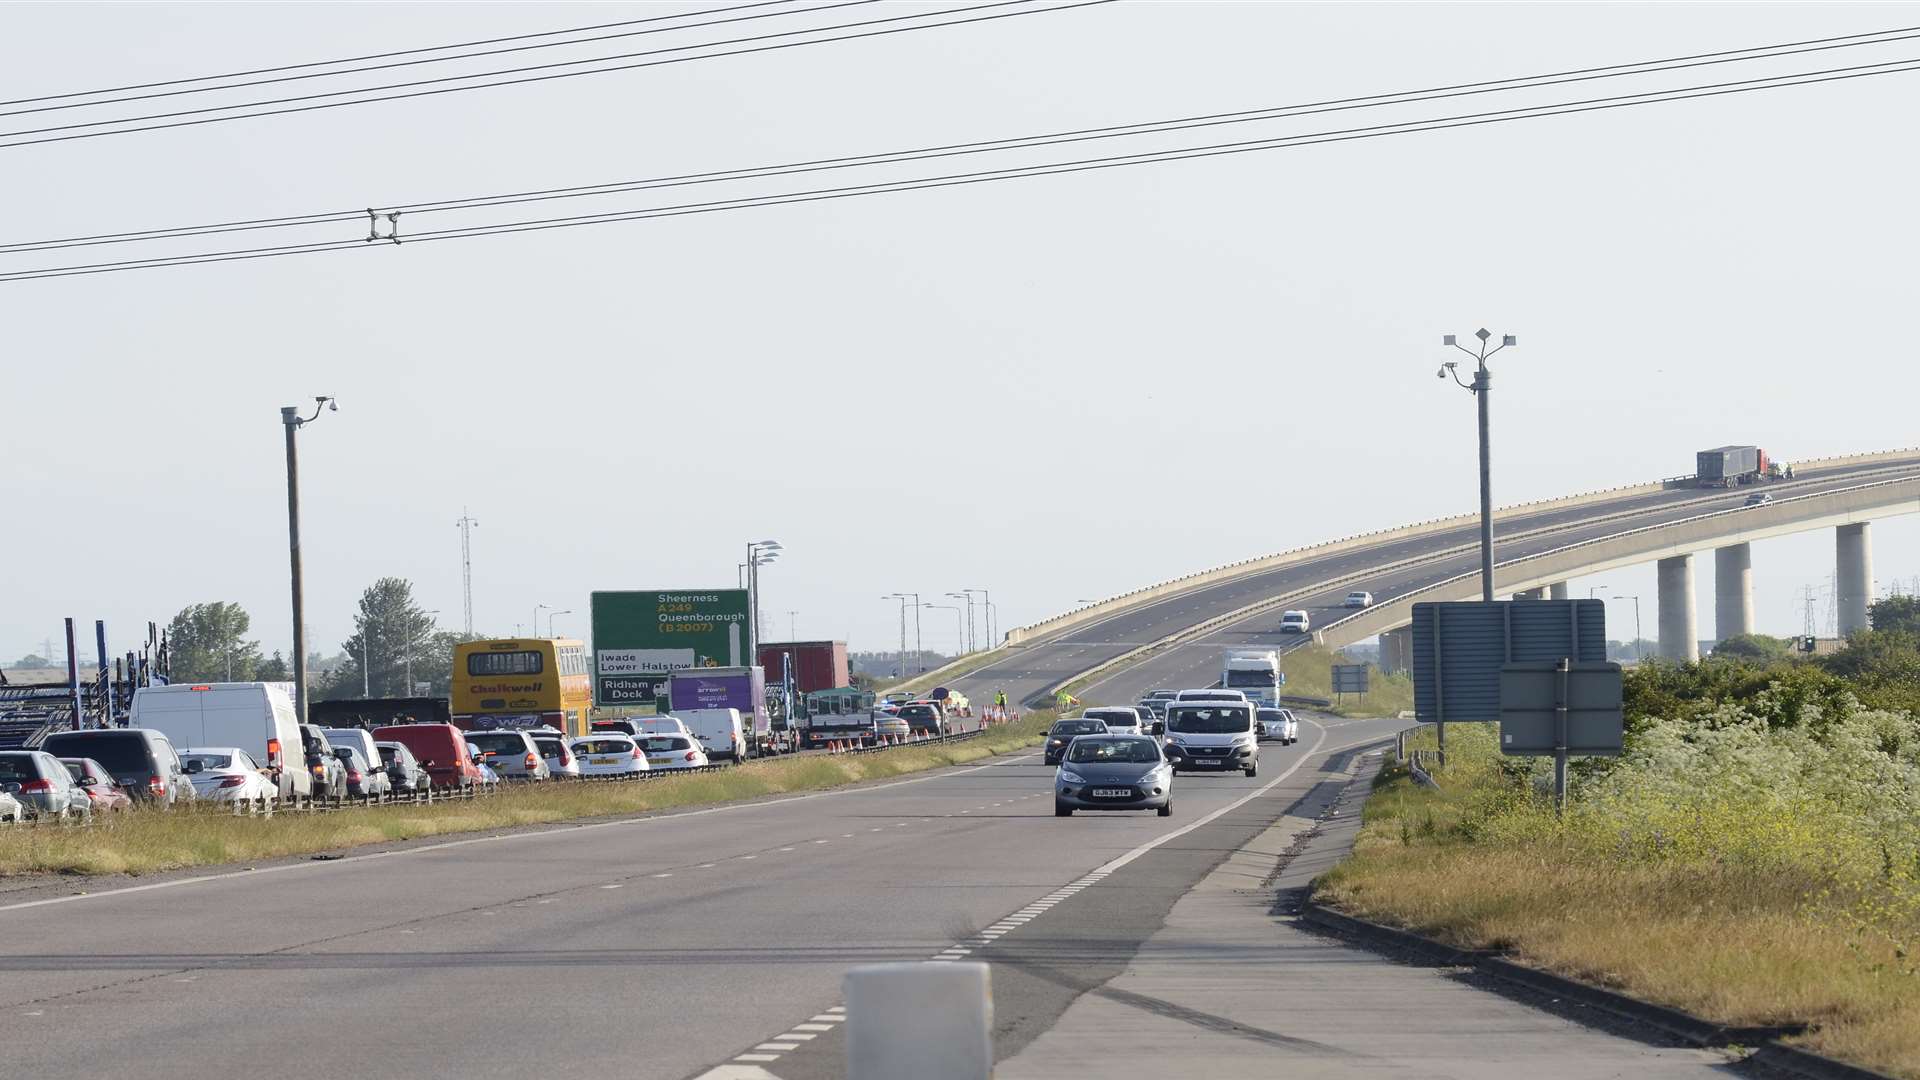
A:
x,y
474,791
1613,538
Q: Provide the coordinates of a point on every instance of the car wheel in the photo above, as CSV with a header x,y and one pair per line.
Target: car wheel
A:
x,y
1253,770
1061,809
1166,810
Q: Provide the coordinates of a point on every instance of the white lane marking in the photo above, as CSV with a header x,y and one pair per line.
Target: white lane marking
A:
x,y
802,1036
828,1018
786,849
756,1057
780,1046
656,875
838,1009
613,886
555,832
746,856
813,1027
702,866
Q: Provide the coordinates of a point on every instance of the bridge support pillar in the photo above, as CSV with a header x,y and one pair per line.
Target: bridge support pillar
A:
x,y
1853,584
1732,591
1396,650
1558,591
1679,638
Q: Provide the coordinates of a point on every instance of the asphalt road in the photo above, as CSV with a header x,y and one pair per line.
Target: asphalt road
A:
x,y
1030,669
656,947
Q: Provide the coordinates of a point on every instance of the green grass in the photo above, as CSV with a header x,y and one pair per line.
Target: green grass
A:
x,y
1793,899
151,841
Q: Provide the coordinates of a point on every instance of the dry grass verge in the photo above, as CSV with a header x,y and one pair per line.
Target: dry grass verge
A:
x,y
1770,923
139,843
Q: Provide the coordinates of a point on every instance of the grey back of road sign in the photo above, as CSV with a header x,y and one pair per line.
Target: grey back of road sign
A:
x,y
1459,649
1349,678
1529,694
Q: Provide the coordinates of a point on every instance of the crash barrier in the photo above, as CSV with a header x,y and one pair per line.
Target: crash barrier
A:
x,y
476,791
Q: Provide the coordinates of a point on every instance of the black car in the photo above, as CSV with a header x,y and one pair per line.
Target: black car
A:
x,y
143,762
1063,732
923,718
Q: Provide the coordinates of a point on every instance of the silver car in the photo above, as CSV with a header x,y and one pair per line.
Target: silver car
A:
x,y
512,754
1113,772
43,785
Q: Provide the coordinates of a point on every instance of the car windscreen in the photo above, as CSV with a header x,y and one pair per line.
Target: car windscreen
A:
x,y
1252,678
1125,719
550,747
389,755
208,762
664,744
1209,719
603,746
1095,751
1272,716
917,712
1079,727
120,754
20,767
498,742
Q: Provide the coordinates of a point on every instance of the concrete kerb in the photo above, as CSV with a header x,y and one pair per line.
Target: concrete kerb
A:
x,y
1677,1023
1020,634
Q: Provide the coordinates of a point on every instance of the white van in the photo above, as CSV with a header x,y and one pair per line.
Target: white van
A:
x,y
1211,694
1121,720
1212,736
256,717
719,731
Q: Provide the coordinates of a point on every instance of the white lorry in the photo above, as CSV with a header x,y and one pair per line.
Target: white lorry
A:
x,y
1255,672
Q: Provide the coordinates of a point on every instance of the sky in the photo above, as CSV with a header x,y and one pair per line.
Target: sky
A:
x,y
1057,389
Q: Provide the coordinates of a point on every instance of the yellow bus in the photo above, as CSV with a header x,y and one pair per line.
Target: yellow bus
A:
x,y
521,683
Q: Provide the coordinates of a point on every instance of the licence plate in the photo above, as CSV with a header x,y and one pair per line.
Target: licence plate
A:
x,y
659,761
603,761
1205,761
1113,793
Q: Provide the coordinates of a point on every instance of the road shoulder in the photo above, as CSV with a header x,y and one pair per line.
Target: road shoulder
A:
x,y
1231,987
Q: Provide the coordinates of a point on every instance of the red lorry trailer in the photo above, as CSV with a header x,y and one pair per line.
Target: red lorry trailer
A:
x,y
817,665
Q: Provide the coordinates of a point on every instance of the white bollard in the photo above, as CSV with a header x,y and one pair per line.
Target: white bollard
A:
x,y
927,1021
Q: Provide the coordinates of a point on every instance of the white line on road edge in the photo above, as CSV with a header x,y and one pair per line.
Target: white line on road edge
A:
x,y
557,831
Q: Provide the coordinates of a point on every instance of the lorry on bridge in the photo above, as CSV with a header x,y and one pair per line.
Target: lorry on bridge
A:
x,y
1725,466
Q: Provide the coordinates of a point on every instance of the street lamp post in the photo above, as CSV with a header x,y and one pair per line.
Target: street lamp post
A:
x,y
291,419
759,553
986,611
959,634
534,628
1636,625
968,597
902,597
1482,388
552,615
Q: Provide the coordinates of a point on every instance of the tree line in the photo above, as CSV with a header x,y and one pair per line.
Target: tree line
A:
x,y
394,640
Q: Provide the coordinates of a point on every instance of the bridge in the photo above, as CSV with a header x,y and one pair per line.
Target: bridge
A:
x,y
1171,633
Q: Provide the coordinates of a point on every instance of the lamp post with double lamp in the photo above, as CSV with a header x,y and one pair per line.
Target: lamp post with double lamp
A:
x,y
964,595
1481,387
959,632
919,660
291,419
534,628
759,553
552,615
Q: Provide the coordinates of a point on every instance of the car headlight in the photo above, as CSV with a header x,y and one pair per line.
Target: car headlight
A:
x,y
1072,777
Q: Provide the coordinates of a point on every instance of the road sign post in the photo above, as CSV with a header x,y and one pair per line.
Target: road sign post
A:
x,y
1350,678
1561,708
1459,649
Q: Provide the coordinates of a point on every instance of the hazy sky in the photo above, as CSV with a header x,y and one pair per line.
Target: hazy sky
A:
x,y
1058,388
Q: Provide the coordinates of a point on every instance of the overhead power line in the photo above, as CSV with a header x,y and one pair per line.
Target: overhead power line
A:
x,y
1023,172
312,102
1154,127
386,55
284,78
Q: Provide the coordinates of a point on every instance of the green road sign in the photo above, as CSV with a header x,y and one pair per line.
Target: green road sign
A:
x,y
642,636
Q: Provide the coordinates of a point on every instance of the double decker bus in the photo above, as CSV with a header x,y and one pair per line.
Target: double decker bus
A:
x,y
521,683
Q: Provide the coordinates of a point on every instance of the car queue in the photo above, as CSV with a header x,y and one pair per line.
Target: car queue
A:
x,y
1126,758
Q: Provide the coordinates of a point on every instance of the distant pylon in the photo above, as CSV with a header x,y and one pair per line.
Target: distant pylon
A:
x,y
466,525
